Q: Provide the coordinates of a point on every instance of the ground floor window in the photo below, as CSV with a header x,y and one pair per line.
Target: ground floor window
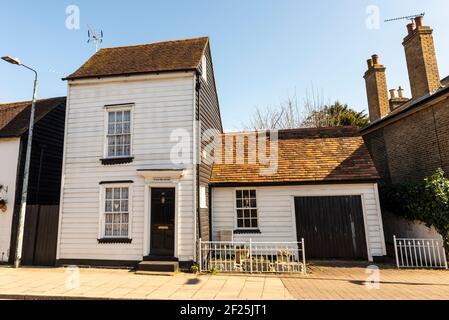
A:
x,y
116,212
246,207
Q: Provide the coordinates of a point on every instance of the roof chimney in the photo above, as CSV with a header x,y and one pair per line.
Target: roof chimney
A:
x,y
418,21
376,89
421,59
397,98
392,93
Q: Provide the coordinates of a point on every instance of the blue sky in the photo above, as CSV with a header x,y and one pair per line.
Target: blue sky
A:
x,y
263,51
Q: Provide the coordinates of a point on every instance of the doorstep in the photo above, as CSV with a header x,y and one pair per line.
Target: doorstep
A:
x,y
158,266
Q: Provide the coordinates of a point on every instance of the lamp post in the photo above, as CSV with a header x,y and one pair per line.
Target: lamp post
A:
x,y
23,204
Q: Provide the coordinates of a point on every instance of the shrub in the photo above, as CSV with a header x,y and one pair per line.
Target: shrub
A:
x,y
194,269
427,201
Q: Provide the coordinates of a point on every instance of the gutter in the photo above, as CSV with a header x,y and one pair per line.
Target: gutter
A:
x,y
291,183
99,76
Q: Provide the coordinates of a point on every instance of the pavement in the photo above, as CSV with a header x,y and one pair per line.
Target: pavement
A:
x,y
323,282
52,283
365,282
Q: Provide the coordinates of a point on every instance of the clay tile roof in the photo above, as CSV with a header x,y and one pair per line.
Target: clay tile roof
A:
x,y
323,155
15,116
176,55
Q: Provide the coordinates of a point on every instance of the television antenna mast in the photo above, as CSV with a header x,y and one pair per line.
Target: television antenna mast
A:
x,y
95,36
412,17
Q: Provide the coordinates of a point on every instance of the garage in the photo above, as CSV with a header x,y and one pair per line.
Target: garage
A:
x,y
324,189
332,227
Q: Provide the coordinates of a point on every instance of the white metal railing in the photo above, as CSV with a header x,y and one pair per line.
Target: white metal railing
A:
x,y
252,256
419,253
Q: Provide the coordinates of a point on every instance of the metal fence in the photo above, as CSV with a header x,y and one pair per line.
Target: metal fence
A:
x,y
252,257
419,253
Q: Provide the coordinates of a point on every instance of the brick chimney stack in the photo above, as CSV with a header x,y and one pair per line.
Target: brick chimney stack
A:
x,y
376,89
421,59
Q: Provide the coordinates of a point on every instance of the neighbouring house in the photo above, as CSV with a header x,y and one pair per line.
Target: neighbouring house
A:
x,y
323,188
41,223
142,184
407,137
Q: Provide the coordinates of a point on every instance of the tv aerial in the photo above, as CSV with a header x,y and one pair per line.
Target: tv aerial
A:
x,y
412,17
94,36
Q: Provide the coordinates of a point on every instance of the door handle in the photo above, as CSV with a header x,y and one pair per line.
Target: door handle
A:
x,y
163,227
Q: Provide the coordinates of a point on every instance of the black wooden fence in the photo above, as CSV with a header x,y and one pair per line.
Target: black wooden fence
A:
x,y
40,236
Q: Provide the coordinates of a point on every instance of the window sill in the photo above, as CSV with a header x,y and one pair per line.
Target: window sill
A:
x,y
114,240
247,231
114,161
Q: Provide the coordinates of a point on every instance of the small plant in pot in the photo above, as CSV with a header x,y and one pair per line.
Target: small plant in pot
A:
x,y
194,269
3,205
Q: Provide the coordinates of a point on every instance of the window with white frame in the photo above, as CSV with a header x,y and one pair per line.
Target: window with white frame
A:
x,y
246,207
119,133
204,67
116,212
203,197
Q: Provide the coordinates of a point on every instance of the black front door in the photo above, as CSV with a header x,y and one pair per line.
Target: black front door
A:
x,y
162,222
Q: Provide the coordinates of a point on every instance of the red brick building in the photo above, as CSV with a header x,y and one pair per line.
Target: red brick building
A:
x,y
408,138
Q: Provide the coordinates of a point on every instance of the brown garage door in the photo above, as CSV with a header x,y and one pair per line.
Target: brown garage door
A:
x,y
332,227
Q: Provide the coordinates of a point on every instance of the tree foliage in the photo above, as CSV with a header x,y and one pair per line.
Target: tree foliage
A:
x,y
334,115
427,201
313,113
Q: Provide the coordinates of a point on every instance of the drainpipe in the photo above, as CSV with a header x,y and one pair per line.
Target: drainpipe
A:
x,y
198,157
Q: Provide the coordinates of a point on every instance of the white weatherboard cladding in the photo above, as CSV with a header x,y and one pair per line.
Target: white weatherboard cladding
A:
x,y
277,217
161,104
9,151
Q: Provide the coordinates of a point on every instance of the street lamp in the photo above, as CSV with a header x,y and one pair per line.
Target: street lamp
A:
x,y
23,204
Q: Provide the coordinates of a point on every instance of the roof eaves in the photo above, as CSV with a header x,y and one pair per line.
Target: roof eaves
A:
x,y
293,182
70,77
408,106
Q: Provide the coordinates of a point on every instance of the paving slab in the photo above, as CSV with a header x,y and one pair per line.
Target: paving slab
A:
x,y
323,282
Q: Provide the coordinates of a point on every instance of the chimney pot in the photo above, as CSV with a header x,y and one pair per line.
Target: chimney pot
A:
x,y
418,21
410,28
393,93
370,63
375,59
400,92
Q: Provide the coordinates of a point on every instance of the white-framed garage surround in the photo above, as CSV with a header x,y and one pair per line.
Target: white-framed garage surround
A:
x,y
276,212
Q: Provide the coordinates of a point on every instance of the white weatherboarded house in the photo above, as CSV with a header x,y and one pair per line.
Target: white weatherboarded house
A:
x,y
130,186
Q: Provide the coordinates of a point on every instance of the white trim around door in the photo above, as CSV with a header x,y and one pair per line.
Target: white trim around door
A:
x,y
159,179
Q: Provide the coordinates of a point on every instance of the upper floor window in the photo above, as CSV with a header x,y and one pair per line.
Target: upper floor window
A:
x,y
246,206
118,133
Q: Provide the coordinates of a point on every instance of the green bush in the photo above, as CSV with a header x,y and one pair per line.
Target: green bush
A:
x,y
194,269
214,271
427,201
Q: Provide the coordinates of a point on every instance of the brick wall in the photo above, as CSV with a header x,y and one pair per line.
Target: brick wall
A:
x,y
412,147
375,143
